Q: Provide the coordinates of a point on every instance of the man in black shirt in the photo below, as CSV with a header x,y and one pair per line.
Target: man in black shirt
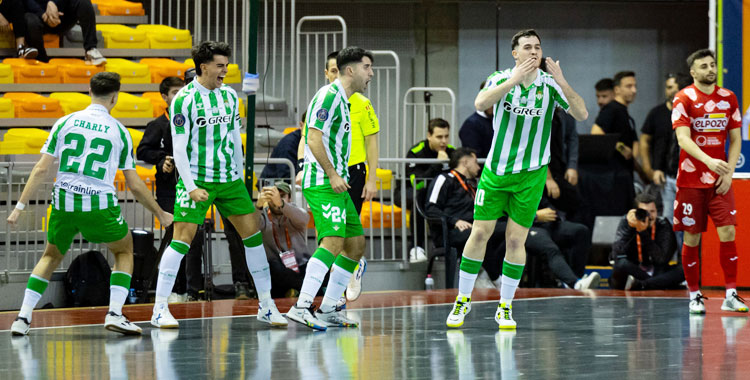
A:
x,y
476,132
660,153
614,118
605,92
643,246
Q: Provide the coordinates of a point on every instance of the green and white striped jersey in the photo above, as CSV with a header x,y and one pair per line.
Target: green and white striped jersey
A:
x,y
91,145
522,122
328,112
206,132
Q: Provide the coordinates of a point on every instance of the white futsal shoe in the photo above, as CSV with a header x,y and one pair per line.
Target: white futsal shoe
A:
x,y
119,323
268,313
20,326
335,318
354,289
734,303
461,308
504,317
697,306
588,282
162,318
306,317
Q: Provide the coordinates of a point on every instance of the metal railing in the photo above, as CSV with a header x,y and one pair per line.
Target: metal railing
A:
x,y
384,93
417,113
316,47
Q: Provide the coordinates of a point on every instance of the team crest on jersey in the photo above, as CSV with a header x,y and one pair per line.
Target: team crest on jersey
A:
x,y
322,114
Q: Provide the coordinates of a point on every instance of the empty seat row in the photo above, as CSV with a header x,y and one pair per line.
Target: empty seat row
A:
x,y
73,70
146,36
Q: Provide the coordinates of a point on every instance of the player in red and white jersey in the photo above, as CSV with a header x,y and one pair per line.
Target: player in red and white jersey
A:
x,y
702,116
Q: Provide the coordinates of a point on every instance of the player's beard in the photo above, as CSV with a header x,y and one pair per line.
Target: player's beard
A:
x,y
707,81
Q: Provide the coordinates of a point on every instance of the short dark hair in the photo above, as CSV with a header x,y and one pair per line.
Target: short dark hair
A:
x,y
437,123
702,53
332,55
645,198
104,83
206,51
350,55
605,84
622,74
683,80
523,33
458,154
169,82
304,116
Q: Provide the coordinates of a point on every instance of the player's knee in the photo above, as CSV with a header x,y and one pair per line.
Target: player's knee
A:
x,y
514,244
481,232
691,240
726,233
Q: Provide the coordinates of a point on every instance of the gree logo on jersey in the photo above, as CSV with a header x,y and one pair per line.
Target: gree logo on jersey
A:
x,y
713,122
523,111
202,120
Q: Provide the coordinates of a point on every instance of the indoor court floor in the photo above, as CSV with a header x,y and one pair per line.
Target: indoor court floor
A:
x,y
562,334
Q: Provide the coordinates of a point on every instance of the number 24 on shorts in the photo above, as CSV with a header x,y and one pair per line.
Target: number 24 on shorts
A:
x,y
334,213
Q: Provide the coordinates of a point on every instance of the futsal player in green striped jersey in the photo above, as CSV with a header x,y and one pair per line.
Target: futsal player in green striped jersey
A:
x,y
205,123
91,146
523,99
324,184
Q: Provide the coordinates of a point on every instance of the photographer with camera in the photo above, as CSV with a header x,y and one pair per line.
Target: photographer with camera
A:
x,y
643,245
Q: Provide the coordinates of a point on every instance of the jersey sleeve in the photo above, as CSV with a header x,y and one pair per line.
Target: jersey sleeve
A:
x,y
369,120
680,105
557,94
735,120
127,162
52,145
495,79
179,125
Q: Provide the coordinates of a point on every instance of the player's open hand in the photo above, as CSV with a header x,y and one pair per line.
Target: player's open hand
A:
x,y
723,184
338,184
718,166
553,67
166,219
13,217
199,195
523,69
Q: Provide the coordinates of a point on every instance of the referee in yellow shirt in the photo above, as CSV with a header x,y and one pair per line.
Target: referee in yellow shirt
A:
x,y
364,148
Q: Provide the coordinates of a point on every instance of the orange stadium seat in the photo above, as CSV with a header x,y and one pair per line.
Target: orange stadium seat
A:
x,y
51,41
166,37
121,37
33,71
6,73
163,67
130,72
27,104
233,73
119,8
386,220
75,70
160,106
132,106
71,101
6,108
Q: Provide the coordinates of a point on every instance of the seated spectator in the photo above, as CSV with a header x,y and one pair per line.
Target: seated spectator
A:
x,y
57,17
564,246
605,91
286,148
284,228
419,176
643,245
476,132
14,12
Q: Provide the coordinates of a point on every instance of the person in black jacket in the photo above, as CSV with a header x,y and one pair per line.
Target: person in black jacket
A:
x,y
476,132
643,246
419,176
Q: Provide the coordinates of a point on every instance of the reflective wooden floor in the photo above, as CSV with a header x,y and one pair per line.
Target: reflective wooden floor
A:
x,y
562,334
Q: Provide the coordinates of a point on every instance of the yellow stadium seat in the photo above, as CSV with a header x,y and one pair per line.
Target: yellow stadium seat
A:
x,y
132,106
6,108
121,37
51,41
6,73
163,67
23,141
243,110
119,8
386,220
75,70
130,72
385,178
234,75
33,71
27,104
160,106
71,101
166,37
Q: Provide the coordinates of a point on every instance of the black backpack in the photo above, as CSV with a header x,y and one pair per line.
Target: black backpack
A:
x,y
87,280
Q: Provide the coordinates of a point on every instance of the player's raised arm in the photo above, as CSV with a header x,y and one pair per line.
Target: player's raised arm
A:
x,y
489,96
577,105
